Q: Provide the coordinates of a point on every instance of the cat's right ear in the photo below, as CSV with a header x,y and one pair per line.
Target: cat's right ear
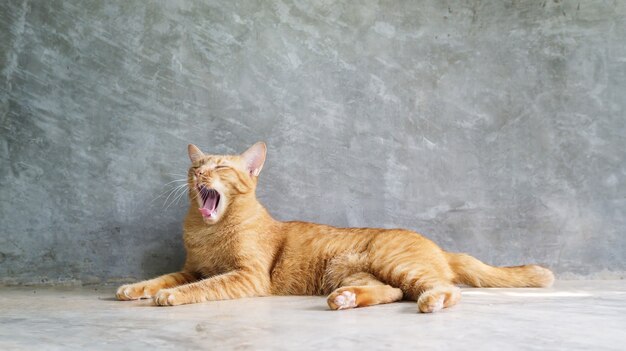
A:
x,y
254,158
194,153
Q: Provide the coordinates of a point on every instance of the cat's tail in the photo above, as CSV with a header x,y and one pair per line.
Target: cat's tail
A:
x,y
470,271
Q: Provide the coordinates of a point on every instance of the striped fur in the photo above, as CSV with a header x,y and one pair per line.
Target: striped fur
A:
x,y
244,252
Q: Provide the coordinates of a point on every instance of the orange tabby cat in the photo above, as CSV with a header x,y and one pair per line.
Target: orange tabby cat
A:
x,y
236,249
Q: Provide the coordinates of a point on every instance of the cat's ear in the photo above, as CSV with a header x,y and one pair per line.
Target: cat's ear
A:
x,y
194,153
254,158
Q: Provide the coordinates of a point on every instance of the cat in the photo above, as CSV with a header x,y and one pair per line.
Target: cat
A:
x,y
236,249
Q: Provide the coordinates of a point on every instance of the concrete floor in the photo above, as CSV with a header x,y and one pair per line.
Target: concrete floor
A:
x,y
589,315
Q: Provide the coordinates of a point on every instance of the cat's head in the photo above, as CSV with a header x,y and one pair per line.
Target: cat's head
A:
x,y
215,181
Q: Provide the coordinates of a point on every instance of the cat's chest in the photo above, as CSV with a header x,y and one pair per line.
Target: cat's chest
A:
x,y
210,255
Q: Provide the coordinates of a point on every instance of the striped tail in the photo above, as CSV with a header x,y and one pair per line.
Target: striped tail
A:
x,y
470,271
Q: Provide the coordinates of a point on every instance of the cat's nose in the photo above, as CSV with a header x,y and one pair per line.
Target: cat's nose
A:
x,y
202,172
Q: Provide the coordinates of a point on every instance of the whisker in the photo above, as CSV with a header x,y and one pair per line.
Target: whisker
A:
x,y
176,180
181,196
178,174
160,195
165,192
172,192
195,196
179,191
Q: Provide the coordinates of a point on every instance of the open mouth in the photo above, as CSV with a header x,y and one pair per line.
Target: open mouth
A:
x,y
210,200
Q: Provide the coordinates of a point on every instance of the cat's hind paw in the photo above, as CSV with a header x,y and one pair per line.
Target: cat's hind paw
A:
x,y
436,299
341,299
431,304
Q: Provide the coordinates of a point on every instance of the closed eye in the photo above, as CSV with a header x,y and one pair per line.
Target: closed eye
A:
x,y
221,167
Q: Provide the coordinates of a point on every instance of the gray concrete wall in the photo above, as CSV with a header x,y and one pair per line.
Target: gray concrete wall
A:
x,y
494,127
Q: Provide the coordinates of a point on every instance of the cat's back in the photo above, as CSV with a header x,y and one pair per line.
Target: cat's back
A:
x,y
305,241
323,235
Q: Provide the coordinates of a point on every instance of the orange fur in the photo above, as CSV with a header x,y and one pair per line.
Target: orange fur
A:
x,y
241,251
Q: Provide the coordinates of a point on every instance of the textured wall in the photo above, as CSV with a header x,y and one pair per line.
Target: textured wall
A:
x,y
494,127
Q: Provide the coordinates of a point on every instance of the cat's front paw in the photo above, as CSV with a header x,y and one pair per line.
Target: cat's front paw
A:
x,y
133,292
167,297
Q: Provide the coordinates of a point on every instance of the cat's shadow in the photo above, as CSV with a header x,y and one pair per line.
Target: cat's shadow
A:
x,y
407,307
110,298
318,308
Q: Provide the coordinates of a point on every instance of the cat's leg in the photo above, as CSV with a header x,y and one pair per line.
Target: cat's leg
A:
x,y
232,285
434,297
428,283
148,288
360,290
429,289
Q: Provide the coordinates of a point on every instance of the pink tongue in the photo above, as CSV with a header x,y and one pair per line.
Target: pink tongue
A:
x,y
208,209
205,212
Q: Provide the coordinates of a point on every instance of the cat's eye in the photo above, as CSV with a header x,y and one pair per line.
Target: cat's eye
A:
x,y
221,167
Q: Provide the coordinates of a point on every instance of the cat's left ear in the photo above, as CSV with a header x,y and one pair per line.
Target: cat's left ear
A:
x,y
194,153
254,158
